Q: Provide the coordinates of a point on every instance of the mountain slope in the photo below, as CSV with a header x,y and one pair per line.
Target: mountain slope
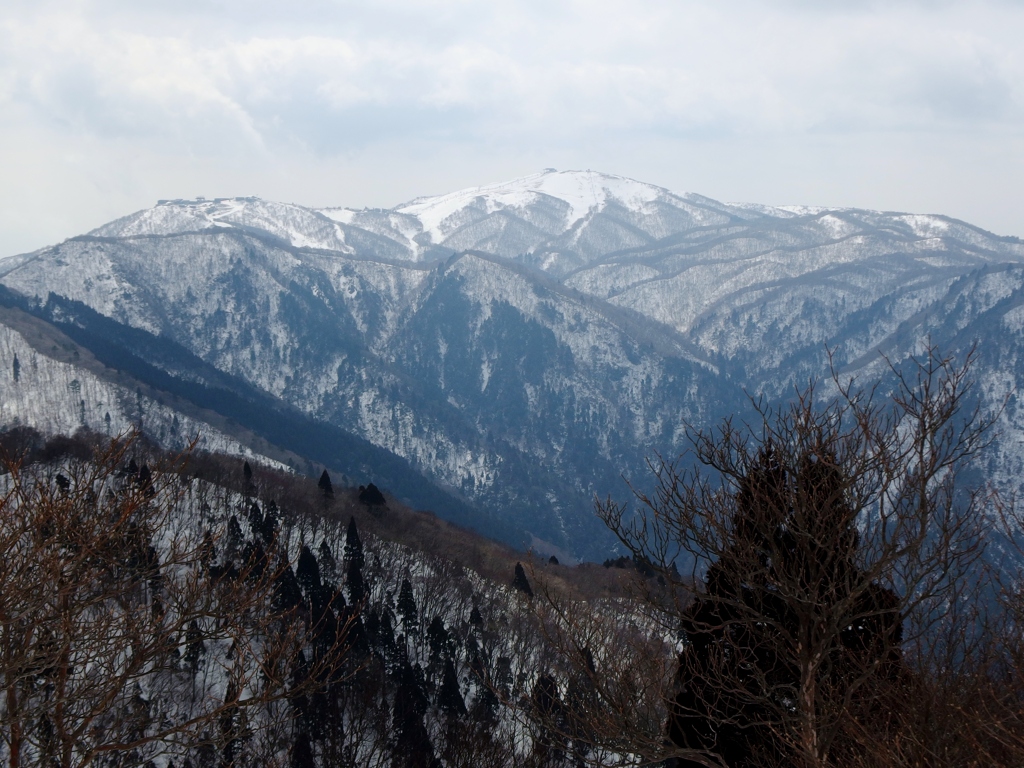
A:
x,y
522,345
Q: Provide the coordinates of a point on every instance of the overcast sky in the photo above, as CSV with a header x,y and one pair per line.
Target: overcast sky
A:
x,y
107,105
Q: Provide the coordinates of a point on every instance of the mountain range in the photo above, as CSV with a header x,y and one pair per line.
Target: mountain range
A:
x,y
501,354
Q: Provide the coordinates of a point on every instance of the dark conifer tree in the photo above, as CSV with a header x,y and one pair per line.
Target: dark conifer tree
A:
x,y
475,617
195,648
287,594
792,532
520,581
254,560
407,608
485,706
268,531
328,565
354,583
324,484
255,519
412,747
353,545
247,474
234,537
307,570
371,496
449,698
439,640
503,675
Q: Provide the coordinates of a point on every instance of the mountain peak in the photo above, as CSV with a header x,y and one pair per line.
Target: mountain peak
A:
x,y
579,192
299,226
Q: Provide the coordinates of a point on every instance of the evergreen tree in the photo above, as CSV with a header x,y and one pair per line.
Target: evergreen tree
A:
x,y
439,640
791,565
503,675
255,519
324,484
307,570
328,565
247,474
354,583
371,496
412,747
254,560
353,545
17,368
234,537
287,594
485,706
520,581
268,531
195,648
449,698
407,608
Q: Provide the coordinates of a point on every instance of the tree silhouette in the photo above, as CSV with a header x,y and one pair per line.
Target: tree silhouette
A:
x,y
407,608
820,543
307,571
790,563
412,745
520,582
328,565
449,698
355,583
353,544
371,496
324,484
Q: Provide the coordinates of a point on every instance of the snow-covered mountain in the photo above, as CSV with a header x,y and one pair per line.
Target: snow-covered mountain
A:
x,y
524,344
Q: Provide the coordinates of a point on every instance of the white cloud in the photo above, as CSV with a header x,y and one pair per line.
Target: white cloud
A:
x,y
263,86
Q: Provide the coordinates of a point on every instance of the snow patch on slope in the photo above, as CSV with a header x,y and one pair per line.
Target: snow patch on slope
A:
x,y
581,191
298,226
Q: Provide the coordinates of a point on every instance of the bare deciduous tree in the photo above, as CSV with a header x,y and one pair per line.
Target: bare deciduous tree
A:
x,y
111,598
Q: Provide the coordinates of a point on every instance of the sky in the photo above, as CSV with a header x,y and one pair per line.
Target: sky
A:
x,y
108,105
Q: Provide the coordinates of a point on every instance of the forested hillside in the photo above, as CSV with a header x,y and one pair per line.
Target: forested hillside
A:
x,y
816,594
203,611
504,353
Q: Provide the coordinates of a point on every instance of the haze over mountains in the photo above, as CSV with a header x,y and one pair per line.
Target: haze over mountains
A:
x,y
499,354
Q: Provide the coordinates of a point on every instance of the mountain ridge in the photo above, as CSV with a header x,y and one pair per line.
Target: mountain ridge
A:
x,y
541,347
